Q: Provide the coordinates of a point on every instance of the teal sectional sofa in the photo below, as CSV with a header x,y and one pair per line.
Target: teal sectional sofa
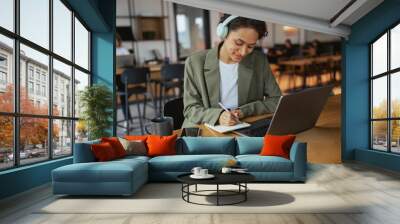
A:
x,y
125,176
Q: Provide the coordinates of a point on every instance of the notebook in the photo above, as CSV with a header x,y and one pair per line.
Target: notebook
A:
x,y
224,128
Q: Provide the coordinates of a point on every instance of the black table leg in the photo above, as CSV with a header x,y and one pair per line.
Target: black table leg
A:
x,y
242,191
245,193
188,190
217,194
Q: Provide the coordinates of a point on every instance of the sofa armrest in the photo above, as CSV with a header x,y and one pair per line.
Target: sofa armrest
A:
x,y
83,152
298,155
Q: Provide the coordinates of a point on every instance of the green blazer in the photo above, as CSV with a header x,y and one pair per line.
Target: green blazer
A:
x,y
258,91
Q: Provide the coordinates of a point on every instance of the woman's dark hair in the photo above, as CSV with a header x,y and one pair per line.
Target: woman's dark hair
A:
x,y
243,22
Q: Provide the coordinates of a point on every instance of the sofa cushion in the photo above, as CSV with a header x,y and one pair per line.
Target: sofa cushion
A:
x,y
161,145
116,145
103,152
206,145
257,163
112,171
83,152
136,137
132,158
277,145
134,147
185,163
249,145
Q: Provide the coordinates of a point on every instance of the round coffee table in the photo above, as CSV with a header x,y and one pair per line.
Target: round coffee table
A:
x,y
238,179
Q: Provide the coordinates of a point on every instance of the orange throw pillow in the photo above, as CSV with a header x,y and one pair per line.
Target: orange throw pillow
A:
x,y
136,137
116,145
161,145
103,152
277,145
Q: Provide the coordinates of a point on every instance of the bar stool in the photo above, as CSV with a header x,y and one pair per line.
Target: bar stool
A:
x,y
121,95
136,81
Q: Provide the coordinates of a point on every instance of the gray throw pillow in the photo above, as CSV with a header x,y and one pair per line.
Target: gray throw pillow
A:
x,y
133,147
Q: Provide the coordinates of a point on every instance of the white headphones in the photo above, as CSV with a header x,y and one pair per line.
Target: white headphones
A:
x,y
222,28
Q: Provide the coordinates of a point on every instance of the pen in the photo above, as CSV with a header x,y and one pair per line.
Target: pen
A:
x,y
226,109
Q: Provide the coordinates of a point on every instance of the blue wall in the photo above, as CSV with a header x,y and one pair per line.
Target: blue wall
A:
x,y
24,178
103,53
355,128
99,15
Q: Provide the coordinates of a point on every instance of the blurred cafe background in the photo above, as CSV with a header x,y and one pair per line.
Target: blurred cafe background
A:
x,y
154,37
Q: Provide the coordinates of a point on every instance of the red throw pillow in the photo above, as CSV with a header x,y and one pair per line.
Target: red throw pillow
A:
x,y
116,145
277,145
103,152
161,145
136,137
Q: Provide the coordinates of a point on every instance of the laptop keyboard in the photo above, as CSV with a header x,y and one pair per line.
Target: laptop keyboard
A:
x,y
257,129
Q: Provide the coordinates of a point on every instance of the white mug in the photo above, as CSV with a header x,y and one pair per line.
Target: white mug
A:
x,y
203,172
226,170
196,170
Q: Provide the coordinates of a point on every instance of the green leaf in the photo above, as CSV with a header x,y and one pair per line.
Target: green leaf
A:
x,y
96,104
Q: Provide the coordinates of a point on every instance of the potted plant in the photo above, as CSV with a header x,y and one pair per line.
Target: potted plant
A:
x,y
96,104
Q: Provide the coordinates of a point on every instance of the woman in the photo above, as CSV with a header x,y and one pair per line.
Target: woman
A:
x,y
120,50
232,74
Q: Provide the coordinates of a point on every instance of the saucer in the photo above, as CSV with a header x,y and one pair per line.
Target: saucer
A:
x,y
208,176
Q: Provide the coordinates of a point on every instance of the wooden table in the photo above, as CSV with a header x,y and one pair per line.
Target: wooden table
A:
x,y
154,70
206,132
307,61
298,66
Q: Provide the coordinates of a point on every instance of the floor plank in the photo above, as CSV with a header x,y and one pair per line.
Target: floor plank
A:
x,y
376,190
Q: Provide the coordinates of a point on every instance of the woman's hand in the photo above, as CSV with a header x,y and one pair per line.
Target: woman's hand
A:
x,y
229,119
237,113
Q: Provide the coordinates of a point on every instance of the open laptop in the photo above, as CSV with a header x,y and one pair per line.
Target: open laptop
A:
x,y
295,113
124,60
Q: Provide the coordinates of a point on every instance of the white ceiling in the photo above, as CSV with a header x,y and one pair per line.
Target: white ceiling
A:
x,y
313,15
321,9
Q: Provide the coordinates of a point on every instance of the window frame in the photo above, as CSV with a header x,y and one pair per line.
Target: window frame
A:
x,y
388,74
16,114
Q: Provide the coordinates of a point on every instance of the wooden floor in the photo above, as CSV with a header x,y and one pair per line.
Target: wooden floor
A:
x,y
376,189
323,141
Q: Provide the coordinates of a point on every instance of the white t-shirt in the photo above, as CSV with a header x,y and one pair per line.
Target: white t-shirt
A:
x,y
228,84
121,51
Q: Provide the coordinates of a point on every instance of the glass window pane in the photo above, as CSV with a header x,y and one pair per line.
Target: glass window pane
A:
x,y
379,97
395,47
6,142
6,74
81,45
7,14
62,138
379,135
190,29
395,95
81,131
62,89
81,81
34,72
62,29
33,139
35,21
379,55
395,136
